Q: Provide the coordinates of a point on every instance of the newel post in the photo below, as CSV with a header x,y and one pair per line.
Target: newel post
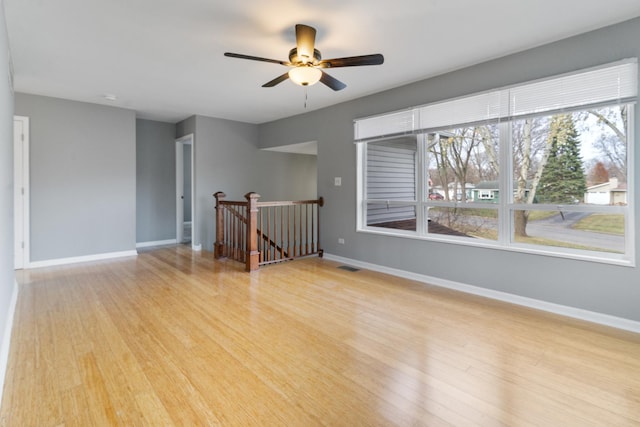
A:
x,y
253,256
218,251
320,250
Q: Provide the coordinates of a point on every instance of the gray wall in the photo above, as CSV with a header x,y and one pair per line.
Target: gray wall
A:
x,y
7,276
185,127
155,181
227,159
596,287
83,177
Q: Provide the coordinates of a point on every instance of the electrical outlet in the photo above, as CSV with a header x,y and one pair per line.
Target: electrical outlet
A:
x,y
340,241
337,181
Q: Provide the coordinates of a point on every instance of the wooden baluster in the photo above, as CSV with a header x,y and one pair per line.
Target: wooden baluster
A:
x,y
300,243
303,252
226,232
306,230
244,232
241,248
236,234
234,244
313,229
229,231
253,255
294,241
241,230
272,231
281,242
320,204
261,241
316,211
269,233
229,222
234,237
227,235
289,231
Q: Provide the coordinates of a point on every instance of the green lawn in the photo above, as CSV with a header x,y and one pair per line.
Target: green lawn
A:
x,y
602,223
549,242
493,213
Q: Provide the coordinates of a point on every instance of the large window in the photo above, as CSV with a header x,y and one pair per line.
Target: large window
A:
x,y
541,167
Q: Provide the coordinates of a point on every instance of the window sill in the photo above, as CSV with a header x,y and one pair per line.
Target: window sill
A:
x,y
599,257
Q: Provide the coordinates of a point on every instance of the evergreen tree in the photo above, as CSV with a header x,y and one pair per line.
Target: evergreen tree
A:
x,y
563,177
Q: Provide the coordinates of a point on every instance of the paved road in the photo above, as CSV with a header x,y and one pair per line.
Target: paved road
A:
x,y
559,228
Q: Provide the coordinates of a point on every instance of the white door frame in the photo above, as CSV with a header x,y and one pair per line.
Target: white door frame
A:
x,y
21,190
180,143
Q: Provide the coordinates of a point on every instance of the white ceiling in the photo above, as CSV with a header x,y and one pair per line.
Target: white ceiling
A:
x,y
164,58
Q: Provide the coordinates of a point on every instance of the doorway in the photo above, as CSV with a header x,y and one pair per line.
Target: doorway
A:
x,y
21,192
185,200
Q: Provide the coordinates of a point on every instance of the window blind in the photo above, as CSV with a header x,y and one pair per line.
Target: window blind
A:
x,y
482,108
392,124
616,82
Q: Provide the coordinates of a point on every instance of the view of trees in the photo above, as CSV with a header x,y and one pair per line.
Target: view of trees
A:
x,y
462,156
548,154
611,126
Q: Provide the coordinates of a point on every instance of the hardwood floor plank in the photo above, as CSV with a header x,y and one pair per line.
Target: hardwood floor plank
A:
x,y
172,337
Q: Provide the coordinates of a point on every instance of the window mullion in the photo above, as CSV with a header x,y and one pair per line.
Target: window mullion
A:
x,y
629,219
505,179
361,205
421,187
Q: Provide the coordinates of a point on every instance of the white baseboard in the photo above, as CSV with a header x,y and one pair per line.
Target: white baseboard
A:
x,y
156,243
86,258
6,338
576,313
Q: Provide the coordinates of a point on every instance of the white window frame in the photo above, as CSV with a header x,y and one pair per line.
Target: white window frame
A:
x,y
411,122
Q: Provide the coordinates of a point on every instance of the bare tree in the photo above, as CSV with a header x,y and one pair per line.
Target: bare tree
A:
x,y
459,157
612,143
531,152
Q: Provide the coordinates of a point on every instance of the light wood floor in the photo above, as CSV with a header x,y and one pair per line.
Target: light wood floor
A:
x,y
173,338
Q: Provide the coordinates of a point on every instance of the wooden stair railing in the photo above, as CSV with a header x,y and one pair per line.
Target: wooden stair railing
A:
x,y
259,233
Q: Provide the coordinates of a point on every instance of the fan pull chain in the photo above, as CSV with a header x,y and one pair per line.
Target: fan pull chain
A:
x,y
306,97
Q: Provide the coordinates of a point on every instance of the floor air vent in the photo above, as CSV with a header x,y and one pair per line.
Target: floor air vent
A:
x,y
347,268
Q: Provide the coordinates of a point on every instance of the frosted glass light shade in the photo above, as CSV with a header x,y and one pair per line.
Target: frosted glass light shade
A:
x,y
305,76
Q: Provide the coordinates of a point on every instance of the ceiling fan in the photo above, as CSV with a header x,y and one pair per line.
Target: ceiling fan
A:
x,y
307,64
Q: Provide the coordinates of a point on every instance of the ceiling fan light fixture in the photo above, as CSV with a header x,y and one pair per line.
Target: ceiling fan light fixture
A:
x,y
307,64
305,75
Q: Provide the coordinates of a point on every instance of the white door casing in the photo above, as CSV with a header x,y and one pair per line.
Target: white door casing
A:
x,y
180,143
179,191
21,191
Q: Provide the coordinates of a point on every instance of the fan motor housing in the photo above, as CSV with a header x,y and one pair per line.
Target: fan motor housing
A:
x,y
295,59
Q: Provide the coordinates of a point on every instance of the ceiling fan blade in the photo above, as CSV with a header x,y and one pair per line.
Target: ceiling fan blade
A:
x,y
305,42
277,80
352,61
255,58
332,82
